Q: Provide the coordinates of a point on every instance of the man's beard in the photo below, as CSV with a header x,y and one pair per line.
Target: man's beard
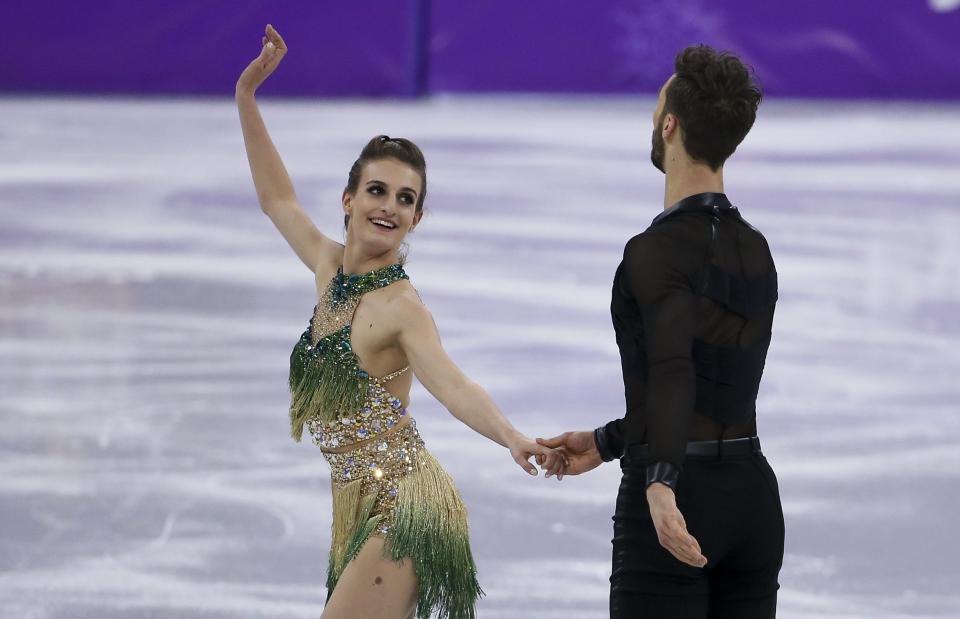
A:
x,y
658,150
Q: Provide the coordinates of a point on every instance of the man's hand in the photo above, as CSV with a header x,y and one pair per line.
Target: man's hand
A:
x,y
671,527
580,450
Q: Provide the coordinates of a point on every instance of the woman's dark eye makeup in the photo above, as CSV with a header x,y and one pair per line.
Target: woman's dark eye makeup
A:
x,y
377,189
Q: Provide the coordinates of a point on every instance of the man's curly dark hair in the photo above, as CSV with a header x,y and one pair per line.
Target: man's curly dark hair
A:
x,y
715,99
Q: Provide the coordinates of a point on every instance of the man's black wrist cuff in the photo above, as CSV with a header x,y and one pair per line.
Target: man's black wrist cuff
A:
x,y
662,473
603,448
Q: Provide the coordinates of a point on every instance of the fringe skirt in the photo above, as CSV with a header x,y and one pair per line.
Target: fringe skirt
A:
x,y
421,517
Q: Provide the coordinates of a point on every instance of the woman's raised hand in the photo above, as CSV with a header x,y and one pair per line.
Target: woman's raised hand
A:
x,y
263,65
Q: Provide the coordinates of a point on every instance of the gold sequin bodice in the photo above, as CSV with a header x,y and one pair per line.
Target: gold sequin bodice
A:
x,y
326,380
381,443
381,412
363,430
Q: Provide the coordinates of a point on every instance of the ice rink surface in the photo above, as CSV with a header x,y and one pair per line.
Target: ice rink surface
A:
x,y
148,309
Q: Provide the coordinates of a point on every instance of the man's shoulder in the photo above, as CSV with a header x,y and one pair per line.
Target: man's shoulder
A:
x,y
672,233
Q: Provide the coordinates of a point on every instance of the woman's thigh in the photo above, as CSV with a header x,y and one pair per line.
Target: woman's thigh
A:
x,y
372,586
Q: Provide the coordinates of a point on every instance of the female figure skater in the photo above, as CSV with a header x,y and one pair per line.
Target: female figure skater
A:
x,y
400,543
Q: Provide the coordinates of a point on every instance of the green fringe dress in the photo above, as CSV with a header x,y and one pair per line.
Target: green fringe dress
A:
x,y
386,484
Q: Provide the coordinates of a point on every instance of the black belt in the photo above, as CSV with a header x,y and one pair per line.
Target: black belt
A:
x,y
735,446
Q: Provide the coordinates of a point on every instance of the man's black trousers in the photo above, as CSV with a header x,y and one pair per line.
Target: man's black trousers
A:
x,y
731,504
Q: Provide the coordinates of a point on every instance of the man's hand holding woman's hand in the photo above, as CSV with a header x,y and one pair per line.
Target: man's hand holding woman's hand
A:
x,y
579,449
553,461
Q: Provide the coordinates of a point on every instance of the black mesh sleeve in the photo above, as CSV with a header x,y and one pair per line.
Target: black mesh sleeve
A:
x,y
656,279
614,437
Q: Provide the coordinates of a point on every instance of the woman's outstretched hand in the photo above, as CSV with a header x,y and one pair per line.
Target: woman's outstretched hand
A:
x,y
263,65
551,460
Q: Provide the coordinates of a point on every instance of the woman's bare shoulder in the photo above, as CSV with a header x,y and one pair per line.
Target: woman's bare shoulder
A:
x,y
400,303
402,296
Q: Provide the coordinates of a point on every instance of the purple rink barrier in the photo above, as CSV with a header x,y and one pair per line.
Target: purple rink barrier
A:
x,y
341,48
816,48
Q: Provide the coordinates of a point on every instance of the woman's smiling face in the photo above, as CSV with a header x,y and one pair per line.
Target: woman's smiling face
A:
x,y
384,208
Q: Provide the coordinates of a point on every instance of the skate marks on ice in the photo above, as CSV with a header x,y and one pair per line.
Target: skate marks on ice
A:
x,y
147,311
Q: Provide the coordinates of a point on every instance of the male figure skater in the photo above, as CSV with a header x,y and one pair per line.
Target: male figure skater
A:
x,y
698,528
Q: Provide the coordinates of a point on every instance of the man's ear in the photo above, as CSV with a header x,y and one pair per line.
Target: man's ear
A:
x,y
670,126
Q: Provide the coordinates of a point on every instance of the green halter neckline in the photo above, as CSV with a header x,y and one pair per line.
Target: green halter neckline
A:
x,y
325,378
344,287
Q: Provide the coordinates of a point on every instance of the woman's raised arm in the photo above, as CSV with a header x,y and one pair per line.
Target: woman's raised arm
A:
x,y
274,189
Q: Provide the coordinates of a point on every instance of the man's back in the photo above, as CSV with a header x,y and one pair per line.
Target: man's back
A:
x,y
692,305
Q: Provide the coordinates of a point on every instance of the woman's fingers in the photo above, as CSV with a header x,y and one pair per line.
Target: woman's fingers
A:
x,y
553,459
554,463
568,465
265,63
521,459
275,37
271,56
540,449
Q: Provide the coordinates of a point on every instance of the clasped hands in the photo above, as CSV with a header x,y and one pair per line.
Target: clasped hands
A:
x,y
579,455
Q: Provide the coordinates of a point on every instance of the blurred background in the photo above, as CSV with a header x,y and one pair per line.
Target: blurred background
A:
x,y
148,307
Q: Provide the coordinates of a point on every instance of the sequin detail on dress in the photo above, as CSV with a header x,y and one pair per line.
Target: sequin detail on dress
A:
x,y
384,481
325,374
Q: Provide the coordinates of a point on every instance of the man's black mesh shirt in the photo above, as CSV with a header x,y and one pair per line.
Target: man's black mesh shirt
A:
x,y
693,304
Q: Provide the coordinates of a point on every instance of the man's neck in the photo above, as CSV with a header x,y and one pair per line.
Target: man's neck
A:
x,y
688,180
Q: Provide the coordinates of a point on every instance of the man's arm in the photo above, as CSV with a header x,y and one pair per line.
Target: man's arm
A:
x,y
653,276
667,300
